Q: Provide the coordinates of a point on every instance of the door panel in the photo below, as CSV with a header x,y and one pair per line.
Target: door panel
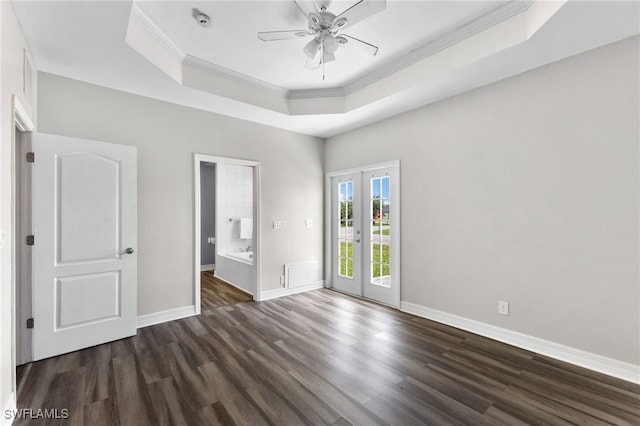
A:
x,y
88,226
85,217
379,266
346,233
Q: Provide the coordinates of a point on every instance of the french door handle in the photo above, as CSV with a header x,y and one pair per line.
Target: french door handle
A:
x,y
127,251
357,241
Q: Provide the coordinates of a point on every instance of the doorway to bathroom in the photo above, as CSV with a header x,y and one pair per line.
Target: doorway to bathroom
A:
x,y
226,231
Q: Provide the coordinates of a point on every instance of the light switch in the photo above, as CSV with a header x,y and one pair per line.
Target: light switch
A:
x,y
307,223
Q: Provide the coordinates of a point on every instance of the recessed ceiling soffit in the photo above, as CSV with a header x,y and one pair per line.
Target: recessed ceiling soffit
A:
x,y
506,26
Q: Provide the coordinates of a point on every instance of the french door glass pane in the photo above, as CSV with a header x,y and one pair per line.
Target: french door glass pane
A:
x,y
380,208
345,229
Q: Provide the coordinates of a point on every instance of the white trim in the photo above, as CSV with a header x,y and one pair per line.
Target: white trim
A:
x,y
140,17
257,270
165,316
210,267
438,43
281,292
10,405
441,42
365,168
220,71
234,285
335,92
591,361
22,119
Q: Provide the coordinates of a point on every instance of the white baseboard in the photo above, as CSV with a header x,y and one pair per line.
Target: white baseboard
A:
x,y
280,292
10,407
165,316
210,267
234,285
591,361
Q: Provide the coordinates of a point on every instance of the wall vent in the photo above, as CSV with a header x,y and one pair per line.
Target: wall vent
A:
x,y
301,274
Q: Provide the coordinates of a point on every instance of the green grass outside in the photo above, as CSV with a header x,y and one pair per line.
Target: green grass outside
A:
x,y
380,266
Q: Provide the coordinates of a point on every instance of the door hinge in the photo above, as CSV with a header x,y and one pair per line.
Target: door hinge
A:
x,y
29,322
31,157
31,240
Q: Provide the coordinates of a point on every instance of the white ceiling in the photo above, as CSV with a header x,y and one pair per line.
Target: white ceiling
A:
x,y
428,51
231,41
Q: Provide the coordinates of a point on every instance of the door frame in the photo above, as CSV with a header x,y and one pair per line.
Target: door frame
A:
x,y
23,122
205,158
395,236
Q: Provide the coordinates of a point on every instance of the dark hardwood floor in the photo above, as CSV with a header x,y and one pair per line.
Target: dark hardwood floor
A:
x,y
319,358
215,292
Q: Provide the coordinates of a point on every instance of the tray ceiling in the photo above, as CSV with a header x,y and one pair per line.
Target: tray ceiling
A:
x,y
429,50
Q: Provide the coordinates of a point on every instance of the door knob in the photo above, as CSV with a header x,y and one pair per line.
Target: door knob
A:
x,y
127,251
357,241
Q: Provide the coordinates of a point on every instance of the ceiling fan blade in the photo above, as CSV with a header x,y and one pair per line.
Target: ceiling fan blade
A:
x,y
361,10
307,7
281,35
357,46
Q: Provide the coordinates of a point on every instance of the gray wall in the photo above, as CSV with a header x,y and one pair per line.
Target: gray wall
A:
x,y
525,190
167,136
207,213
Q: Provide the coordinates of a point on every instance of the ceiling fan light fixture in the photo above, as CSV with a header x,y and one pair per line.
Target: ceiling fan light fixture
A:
x,y
328,57
330,43
312,48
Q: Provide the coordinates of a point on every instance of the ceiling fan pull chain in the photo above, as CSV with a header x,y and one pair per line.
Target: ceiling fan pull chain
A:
x,y
322,55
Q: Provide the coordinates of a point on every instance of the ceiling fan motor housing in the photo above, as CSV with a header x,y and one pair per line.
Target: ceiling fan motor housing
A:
x,y
321,21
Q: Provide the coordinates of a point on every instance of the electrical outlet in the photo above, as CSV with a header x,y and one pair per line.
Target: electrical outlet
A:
x,y
503,307
279,224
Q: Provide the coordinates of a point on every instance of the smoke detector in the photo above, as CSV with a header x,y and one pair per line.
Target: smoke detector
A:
x,y
201,18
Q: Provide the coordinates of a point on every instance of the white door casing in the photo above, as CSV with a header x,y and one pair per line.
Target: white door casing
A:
x,y
85,219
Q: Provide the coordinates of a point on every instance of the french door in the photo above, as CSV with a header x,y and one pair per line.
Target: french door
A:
x,y
364,233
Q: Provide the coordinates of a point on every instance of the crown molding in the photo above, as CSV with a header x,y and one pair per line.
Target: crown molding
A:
x,y
442,41
230,74
335,92
141,18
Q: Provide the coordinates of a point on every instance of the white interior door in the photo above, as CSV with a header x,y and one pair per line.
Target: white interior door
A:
x,y
85,227
365,238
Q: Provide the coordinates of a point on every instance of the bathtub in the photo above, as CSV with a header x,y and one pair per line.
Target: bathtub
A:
x,y
236,269
242,256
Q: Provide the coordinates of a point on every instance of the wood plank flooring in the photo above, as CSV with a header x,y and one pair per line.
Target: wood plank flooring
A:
x,y
319,358
215,292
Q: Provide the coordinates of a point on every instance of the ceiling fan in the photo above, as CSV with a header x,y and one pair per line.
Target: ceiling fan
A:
x,y
325,28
